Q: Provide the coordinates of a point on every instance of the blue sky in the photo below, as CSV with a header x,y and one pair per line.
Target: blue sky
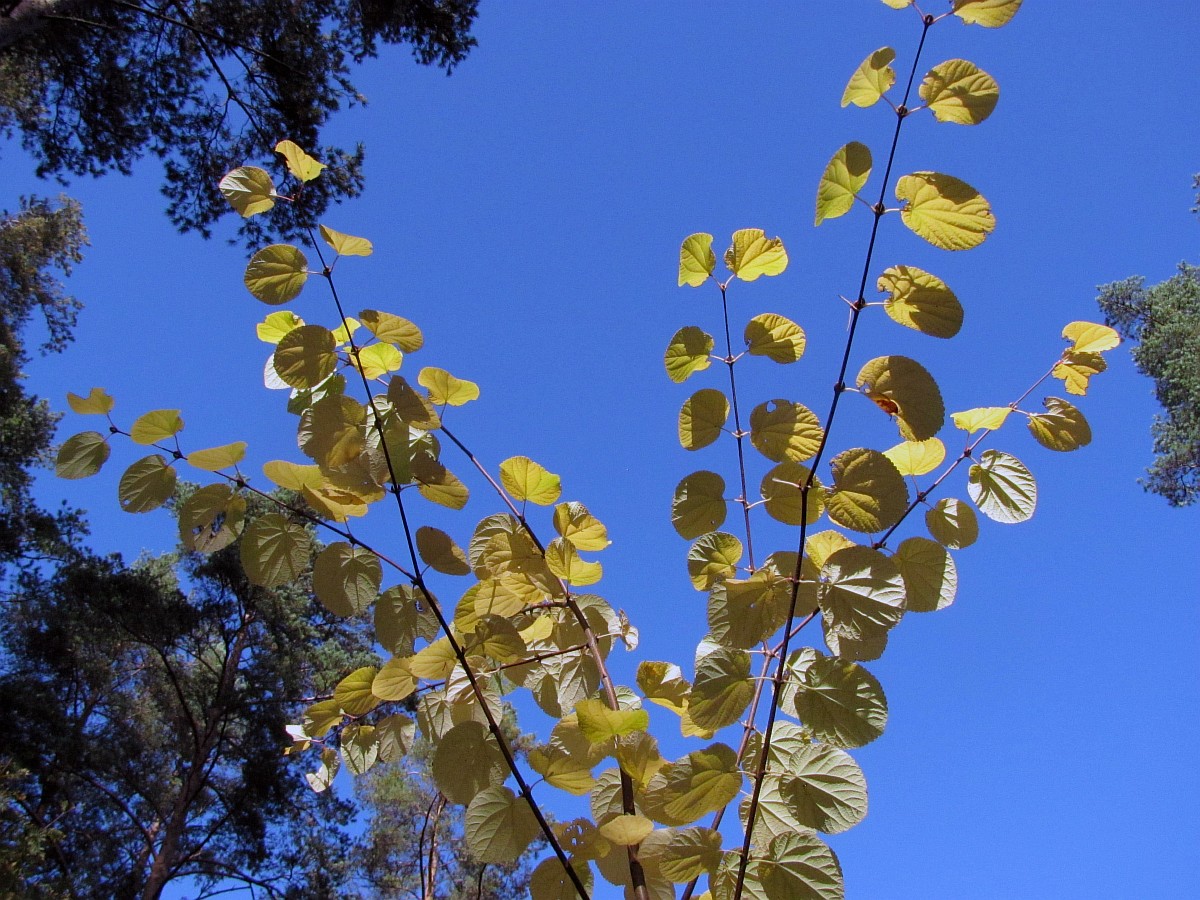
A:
x,y
527,213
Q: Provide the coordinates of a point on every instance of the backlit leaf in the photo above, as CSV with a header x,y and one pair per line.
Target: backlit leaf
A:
x,y
346,578
921,301
211,518
903,388
696,259
688,353
445,389
299,163
81,455
276,274
360,748
699,783
626,830
1090,338
1002,487
682,854
393,329
845,175
868,493
346,244
271,329
377,360
412,406
930,576
784,501
291,476
564,561
581,528
305,356
215,459
599,724
396,736
394,681
871,80
1076,369
948,213
960,92
952,523
861,590
1062,427
702,417
562,769
699,504
743,612
467,761
985,417
897,4
549,881
526,480
721,690
332,431
274,551
824,788
753,254
438,484
781,430
775,337
713,558
840,701
97,402
440,552
146,485
402,615
498,825
796,865
249,190
917,457
988,13
353,693
154,426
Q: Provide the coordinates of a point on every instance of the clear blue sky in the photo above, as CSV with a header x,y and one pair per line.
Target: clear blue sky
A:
x,y
527,213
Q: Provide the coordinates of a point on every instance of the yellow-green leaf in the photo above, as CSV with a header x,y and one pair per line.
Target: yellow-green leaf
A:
x,y
843,178
562,769
291,476
565,562
276,274
299,163
696,259
839,700
438,484
249,190
917,457
305,356
784,501
699,504
498,825
439,550
960,92
921,301
81,455
721,691
211,518
156,425
378,360
353,693
753,254
332,431
346,244
1076,370
1002,488
945,211
985,417
215,459
952,523
702,417
598,723
701,782
714,557
988,13
861,591
96,403
781,430
146,485
689,352
526,480
871,80
412,406
467,761
868,493
930,576
1089,337
903,388
549,881
346,579
445,389
343,333
627,830
1062,427
581,528
272,329
897,4
393,329
274,551
775,337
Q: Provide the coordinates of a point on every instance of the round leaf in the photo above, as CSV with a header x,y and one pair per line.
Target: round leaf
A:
x,y
987,13
868,492
498,825
720,693
871,80
305,356
394,681
696,259
276,274
393,329
81,455
688,353
1062,427
948,213
921,301
775,337
699,783
960,92
249,190
781,430
838,700
903,388
702,417
952,523
353,693
274,551
824,788
146,485
699,504
211,518
156,425
781,491
843,178
917,457
440,552
346,579
930,576
753,254
467,761
714,557
1002,488
526,480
